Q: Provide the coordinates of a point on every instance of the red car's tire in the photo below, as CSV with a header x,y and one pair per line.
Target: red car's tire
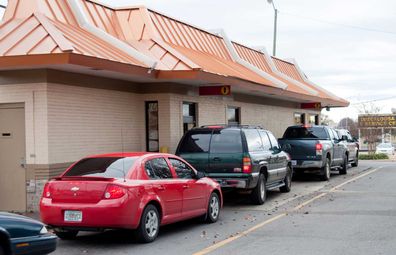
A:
x,y
149,225
213,212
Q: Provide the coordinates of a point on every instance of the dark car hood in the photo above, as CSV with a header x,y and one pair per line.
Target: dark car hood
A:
x,y
19,226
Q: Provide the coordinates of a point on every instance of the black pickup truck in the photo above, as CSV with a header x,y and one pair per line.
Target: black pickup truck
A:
x,y
315,149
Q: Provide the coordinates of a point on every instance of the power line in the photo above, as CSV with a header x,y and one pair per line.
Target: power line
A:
x,y
2,6
375,100
340,24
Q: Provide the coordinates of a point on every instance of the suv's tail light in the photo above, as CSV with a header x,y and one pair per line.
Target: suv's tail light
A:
x,y
114,192
46,191
247,165
319,148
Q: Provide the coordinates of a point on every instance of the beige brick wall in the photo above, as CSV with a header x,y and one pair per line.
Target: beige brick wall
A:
x,y
86,121
34,96
212,110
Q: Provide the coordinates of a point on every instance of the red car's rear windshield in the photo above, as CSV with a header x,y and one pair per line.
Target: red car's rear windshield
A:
x,y
108,167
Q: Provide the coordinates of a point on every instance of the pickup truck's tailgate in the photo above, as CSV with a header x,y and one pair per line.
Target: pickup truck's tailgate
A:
x,y
302,149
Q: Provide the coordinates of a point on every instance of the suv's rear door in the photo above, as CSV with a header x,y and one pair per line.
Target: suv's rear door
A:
x,y
278,159
194,147
226,152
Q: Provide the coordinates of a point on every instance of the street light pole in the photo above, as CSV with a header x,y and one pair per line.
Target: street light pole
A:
x,y
275,26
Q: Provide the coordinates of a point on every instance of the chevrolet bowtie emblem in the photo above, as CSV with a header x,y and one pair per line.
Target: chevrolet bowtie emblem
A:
x,y
75,189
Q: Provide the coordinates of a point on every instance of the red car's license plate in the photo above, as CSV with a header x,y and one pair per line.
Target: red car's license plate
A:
x,y
73,216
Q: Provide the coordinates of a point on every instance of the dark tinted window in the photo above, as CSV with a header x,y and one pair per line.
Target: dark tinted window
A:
x,y
195,141
274,141
265,139
115,167
183,171
226,141
253,140
305,133
158,169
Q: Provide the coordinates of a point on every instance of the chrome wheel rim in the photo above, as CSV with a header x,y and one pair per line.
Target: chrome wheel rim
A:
x,y
214,207
151,223
262,190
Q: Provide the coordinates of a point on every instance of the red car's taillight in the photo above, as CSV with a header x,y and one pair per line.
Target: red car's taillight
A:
x,y
247,165
46,191
114,192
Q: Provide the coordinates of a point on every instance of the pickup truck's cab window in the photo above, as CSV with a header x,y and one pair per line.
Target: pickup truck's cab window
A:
x,y
305,133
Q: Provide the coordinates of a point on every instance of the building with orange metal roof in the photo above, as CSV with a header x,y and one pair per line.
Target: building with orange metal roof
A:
x,y
78,77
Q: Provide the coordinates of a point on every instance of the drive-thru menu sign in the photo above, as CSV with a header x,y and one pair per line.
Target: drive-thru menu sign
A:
x,y
377,121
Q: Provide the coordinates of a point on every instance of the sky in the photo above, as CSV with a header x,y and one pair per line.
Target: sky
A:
x,y
347,47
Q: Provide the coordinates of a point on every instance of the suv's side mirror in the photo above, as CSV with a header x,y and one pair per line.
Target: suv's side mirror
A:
x,y
200,175
344,138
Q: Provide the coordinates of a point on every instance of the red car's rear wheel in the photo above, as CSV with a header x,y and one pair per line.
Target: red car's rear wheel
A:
x,y
149,225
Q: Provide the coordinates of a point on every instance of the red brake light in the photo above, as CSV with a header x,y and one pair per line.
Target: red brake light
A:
x,y
114,192
307,126
319,146
46,191
247,165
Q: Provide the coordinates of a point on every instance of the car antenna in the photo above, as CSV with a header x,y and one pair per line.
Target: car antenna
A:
x,y
123,154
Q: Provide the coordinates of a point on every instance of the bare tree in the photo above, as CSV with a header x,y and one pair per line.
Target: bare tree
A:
x,y
349,124
370,135
326,121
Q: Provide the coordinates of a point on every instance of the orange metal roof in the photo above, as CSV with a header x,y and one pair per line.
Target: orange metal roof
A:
x,y
32,27
290,70
39,35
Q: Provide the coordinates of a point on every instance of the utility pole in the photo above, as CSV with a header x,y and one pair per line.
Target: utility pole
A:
x,y
275,26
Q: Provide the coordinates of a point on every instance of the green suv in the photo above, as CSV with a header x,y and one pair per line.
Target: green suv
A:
x,y
240,157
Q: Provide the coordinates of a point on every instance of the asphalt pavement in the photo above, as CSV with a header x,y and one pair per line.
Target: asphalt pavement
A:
x,y
351,214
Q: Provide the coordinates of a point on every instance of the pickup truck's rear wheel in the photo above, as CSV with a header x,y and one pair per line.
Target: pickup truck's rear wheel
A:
x,y
287,181
259,193
356,162
325,171
344,167
67,234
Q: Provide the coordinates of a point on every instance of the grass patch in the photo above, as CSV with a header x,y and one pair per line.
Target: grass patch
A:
x,y
373,156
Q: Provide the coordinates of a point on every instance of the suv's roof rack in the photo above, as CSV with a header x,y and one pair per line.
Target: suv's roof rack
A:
x,y
231,125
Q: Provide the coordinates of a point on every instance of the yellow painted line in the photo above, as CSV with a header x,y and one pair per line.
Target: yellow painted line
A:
x,y
262,224
309,201
233,238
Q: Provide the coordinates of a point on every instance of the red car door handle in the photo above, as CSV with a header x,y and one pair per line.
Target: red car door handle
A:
x,y
185,186
160,187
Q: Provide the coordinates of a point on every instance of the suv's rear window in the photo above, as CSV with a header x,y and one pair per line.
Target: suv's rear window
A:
x,y
226,141
114,167
195,141
305,133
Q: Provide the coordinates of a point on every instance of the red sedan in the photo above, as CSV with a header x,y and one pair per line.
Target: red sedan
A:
x,y
140,191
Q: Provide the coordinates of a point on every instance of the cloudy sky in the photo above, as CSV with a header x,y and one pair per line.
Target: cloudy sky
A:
x,y
348,47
